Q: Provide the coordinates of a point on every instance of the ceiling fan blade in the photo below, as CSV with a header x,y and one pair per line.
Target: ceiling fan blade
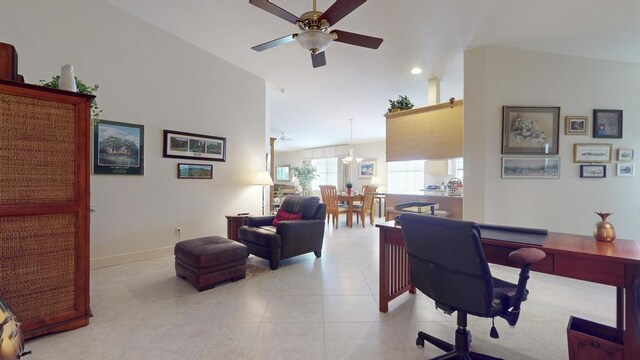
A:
x,y
340,9
275,10
318,59
357,39
274,43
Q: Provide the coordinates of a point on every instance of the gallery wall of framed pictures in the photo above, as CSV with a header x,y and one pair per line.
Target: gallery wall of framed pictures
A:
x,y
530,139
184,145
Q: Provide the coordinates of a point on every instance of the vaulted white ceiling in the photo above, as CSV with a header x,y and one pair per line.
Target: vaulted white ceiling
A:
x,y
312,106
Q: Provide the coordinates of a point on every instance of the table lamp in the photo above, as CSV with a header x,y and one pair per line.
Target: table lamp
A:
x,y
264,179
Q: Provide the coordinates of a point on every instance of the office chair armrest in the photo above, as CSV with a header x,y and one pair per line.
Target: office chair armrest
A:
x,y
522,258
526,256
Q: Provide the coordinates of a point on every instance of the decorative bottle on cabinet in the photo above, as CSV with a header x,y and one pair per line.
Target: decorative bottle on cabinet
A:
x,y
44,206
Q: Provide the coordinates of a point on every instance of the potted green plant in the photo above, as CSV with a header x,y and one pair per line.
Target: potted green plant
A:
x,y
304,175
83,89
403,103
349,185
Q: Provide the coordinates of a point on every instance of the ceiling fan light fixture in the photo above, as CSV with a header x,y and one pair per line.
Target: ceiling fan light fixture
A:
x,y
416,70
314,41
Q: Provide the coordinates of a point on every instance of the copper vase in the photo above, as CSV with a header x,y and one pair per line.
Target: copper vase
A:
x,y
604,231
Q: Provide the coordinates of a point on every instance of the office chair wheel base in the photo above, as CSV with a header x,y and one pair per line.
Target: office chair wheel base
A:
x,y
419,342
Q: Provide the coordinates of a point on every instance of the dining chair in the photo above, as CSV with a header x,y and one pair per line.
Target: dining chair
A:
x,y
330,197
367,204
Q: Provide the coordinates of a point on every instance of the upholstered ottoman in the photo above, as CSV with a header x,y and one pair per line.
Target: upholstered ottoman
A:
x,y
206,261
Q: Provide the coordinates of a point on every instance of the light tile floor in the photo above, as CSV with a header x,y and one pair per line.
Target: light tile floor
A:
x,y
310,308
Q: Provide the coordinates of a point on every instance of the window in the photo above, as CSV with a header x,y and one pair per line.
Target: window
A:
x,y
328,171
405,177
458,168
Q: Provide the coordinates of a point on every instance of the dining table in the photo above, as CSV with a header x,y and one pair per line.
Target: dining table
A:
x,y
350,199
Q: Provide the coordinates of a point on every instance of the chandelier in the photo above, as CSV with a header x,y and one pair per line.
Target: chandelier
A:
x,y
349,159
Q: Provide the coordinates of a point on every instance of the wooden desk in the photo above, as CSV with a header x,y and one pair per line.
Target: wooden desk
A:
x,y
572,256
350,199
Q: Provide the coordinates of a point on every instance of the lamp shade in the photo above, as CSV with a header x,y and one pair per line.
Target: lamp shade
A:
x,y
264,178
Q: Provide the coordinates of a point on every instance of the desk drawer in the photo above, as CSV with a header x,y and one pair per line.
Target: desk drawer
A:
x,y
603,272
500,255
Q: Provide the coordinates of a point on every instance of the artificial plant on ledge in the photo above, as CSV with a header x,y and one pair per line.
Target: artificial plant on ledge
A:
x,y
403,103
82,89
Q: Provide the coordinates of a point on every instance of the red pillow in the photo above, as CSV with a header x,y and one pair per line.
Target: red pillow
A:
x,y
283,215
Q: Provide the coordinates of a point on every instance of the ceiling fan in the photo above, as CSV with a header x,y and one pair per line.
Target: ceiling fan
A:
x,y
314,29
283,138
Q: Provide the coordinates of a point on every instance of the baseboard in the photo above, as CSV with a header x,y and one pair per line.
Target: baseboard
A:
x,y
107,261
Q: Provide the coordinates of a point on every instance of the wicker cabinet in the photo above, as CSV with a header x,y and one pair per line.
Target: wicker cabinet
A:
x,y
44,207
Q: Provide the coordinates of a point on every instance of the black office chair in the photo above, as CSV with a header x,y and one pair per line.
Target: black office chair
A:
x,y
448,265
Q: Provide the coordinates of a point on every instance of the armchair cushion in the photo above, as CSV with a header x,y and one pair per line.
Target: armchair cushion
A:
x,y
283,215
264,236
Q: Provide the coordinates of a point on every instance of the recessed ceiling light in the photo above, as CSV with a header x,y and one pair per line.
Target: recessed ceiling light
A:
x,y
416,71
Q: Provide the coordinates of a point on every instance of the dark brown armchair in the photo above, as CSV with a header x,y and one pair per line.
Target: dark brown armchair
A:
x,y
289,237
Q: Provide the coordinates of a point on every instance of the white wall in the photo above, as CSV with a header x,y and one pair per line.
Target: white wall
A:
x,y
368,151
494,77
148,77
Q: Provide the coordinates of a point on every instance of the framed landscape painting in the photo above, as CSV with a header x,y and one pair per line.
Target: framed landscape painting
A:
x,y
195,171
625,169
282,173
593,171
118,148
530,167
624,155
366,169
184,145
530,130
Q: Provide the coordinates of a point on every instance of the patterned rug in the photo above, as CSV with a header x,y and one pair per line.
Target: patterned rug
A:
x,y
256,266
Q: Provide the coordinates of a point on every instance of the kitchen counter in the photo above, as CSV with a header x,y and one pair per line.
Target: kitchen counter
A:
x,y
446,202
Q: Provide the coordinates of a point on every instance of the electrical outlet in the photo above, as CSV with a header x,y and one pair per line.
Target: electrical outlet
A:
x,y
178,231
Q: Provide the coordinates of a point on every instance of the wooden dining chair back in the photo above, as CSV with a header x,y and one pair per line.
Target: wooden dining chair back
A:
x,y
367,204
330,197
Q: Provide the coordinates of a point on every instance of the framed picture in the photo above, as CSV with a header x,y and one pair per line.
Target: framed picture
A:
x,y
194,146
625,169
576,125
624,155
592,153
195,171
530,130
607,124
366,169
593,171
530,168
282,173
118,148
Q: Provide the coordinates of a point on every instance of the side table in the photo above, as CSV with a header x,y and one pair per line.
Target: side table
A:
x,y
233,224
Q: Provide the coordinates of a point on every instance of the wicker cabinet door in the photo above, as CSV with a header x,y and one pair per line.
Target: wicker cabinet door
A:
x,y
44,200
